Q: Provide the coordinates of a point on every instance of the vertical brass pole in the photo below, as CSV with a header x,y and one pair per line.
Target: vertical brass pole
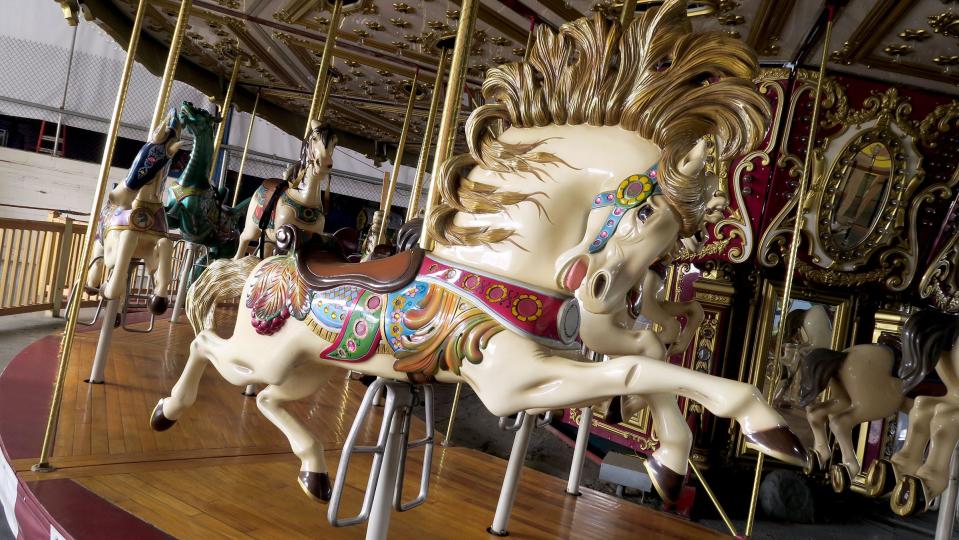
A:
x,y
325,60
712,497
793,252
529,39
629,10
73,312
427,139
326,98
246,148
398,161
225,110
171,60
451,106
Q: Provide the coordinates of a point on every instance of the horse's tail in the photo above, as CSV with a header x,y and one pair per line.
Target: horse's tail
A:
x,y
223,280
815,368
925,336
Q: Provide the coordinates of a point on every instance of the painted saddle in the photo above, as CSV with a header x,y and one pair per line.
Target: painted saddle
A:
x,y
428,313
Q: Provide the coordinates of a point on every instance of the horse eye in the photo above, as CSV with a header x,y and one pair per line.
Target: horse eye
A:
x,y
663,64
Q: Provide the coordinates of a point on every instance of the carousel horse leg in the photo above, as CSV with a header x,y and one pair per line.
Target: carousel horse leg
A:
x,y
947,505
160,267
579,451
933,475
302,382
667,465
842,424
818,415
250,234
514,467
186,270
548,382
908,459
107,324
124,247
97,267
183,394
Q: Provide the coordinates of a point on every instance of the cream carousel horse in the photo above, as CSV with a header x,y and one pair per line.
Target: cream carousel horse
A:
x,y
133,225
297,202
930,341
862,385
595,120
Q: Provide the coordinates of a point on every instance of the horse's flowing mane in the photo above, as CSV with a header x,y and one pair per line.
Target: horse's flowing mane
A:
x,y
656,77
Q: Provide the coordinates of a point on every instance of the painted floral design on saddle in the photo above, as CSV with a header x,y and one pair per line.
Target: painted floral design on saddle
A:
x,y
277,293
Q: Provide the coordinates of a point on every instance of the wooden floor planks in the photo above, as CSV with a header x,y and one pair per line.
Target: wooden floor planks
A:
x,y
223,471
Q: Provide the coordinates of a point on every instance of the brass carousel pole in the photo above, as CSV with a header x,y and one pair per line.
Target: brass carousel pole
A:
x,y
327,90
224,111
325,61
397,162
793,251
451,107
417,188
73,311
171,60
629,10
246,148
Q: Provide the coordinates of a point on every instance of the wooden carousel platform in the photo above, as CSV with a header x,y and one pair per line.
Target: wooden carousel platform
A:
x,y
225,471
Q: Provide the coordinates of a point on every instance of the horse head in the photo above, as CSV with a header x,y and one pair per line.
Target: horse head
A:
x,y
321,142
198,122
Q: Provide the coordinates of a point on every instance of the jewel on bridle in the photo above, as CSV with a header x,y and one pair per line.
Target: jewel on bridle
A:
x,y
631,192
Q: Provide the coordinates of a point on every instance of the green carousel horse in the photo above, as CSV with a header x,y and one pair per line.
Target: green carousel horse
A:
x,y
192,204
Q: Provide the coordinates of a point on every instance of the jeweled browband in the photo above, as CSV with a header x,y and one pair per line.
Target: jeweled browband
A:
x,y
631,192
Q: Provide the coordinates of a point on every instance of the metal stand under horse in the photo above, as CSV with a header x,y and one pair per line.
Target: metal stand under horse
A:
x,y
384,489
114,317
523,426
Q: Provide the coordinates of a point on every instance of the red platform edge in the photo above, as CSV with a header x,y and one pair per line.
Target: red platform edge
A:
x,y
58,508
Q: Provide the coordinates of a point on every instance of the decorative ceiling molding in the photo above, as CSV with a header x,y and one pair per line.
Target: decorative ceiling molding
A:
x,y
767,29
499,22
880,21
562,8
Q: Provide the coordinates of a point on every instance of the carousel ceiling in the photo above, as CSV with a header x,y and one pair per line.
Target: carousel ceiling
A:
x,y
383,44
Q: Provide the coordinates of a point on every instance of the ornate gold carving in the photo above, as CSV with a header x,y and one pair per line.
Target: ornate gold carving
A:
x,y
403,7
940,282
898,49
915,34
398,22
946,61
945,23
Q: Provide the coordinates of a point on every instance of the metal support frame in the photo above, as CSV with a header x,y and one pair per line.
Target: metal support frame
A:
x,y
793,251
397,163
451,106
384,488
514,467
579,452
69,331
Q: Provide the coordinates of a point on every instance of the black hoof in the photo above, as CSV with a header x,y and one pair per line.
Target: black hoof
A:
x,y
158,421
92,291
117,321
317,485
158,305
668,483
779,443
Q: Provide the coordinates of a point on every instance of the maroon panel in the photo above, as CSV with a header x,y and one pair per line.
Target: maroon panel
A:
x,y
32,521
83,514
25,388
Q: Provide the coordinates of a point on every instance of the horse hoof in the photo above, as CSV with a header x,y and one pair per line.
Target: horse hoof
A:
x,y
158,304
668,483
117,321
908,498
158,421
92,291
880,480
839,478
316,485
779,443
812,464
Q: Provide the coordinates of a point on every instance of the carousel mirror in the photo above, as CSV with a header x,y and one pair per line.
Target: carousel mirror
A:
x,y
812,320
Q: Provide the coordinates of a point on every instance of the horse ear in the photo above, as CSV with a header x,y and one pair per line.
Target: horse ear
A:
x,y
694,161
314,124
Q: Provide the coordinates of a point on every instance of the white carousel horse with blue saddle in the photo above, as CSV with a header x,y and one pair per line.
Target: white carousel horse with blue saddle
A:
x,y
133,225
296,200
553,206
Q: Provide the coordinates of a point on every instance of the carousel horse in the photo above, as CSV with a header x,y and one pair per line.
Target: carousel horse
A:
x,y
298,202
193,206
863,386
133,225
930,342
556,200
805,330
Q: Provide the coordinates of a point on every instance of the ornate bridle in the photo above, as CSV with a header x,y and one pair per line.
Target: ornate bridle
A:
x,y
632,192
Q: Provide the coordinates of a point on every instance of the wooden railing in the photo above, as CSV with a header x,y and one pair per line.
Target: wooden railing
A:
x,y
38,265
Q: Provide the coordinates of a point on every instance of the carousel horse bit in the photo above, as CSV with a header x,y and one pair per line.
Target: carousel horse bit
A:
x,y
493,305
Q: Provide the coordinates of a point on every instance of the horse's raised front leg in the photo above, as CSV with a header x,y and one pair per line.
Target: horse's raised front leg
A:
x,y
842,425
183,395
303,381
123,249
541,381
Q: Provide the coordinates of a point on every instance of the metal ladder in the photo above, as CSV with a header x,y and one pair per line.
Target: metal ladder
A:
x,y
384,488
58,140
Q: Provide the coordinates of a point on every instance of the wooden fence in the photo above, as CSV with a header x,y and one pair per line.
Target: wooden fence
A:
x,y
39,265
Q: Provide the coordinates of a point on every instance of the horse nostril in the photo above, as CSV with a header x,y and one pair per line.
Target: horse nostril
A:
x,y
600,283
